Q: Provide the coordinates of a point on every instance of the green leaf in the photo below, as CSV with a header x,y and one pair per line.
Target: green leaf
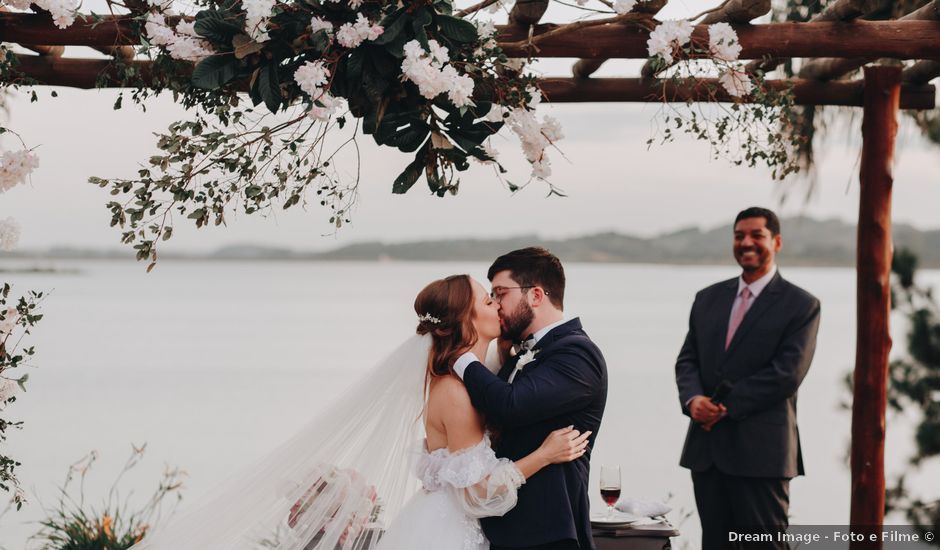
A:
x,y
217,26
458,30
215,71
393,25
22,381
269,86
409,176
421,20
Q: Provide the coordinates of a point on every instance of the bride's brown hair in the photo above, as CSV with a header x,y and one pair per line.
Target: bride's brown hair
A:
x,y
445,311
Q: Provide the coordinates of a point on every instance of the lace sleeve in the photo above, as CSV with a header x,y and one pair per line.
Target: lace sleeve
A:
x,y
483,485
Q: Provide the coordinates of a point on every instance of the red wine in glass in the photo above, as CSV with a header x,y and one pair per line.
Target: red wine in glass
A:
x,y
610,495
610,487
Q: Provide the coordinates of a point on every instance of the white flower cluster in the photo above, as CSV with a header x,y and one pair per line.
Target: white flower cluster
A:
x,y
183,43
486,30
351,35
624,6
432,74
63,11
317,24
312,76
9,234
535,136
668,36
724,46
723,42
15,167
257,14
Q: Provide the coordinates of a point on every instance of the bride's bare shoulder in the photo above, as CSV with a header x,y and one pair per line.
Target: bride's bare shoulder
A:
x,y
450,392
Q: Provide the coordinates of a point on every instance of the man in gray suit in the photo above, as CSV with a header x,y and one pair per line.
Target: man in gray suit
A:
x,y
750,344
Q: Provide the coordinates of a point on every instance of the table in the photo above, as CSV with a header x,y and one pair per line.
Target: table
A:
x,y
643,537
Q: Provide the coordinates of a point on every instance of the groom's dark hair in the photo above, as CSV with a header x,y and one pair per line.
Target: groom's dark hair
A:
x,y
534,266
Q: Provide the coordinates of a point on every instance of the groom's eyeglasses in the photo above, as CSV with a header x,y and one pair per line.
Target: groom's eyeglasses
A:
x,y
500,291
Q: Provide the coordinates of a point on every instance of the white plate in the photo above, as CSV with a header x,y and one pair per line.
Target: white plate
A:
x,y
616,518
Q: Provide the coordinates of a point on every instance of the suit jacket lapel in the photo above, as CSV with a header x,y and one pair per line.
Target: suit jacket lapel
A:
x,y
723,310
543,343
763,302
507,369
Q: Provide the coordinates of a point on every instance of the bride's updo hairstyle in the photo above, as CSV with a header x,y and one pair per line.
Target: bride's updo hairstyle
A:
x,y
445,311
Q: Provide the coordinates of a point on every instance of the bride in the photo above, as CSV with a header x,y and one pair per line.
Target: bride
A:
x,y
402,461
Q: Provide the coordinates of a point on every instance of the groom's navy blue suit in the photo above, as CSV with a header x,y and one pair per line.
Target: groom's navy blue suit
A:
x,y
566,384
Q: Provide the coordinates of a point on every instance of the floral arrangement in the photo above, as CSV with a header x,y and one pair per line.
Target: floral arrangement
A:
x,y
413,75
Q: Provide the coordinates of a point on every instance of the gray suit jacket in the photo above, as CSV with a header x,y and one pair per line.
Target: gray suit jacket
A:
x,y
767,360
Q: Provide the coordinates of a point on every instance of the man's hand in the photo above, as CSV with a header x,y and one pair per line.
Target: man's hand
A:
x,y
707,426
705,412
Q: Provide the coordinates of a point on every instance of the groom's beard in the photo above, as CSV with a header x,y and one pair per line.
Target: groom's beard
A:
x,y
515,322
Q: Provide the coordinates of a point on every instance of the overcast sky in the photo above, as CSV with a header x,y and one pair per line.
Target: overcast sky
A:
x,y
614,182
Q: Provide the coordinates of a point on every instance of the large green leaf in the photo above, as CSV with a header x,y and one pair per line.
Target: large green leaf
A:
x,y
409,176
422,19
393,25
458,30
217,26
269,86
215,71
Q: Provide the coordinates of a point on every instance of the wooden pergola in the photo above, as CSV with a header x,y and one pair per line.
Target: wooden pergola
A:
x,y
833,45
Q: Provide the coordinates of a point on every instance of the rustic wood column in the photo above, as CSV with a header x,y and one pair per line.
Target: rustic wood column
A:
x,y
873,340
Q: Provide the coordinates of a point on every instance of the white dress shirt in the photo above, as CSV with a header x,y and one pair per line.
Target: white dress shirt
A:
x,y
469,357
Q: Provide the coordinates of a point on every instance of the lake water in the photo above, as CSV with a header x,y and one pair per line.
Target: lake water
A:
x,y
213,363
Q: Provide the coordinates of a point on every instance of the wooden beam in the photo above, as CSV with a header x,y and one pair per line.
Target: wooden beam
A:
x,y
873,337
830,69
921,72
637,90
77,73
894,39
838,11
84,73
737,11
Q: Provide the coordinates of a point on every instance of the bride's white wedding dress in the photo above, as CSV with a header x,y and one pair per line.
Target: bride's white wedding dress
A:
x,y
349,473
457,489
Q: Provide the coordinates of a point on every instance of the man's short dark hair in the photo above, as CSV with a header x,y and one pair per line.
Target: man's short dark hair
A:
x,y
772,222
534,266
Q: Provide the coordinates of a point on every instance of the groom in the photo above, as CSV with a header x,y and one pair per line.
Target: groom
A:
x,y
556,378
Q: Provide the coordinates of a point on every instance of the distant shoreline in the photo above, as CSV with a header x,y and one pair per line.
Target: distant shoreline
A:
x,y
807,243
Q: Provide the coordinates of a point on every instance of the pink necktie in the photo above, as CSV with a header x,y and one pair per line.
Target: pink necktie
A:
x,y
738,315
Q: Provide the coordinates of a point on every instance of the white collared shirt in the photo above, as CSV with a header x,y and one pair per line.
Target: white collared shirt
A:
x,y
464,360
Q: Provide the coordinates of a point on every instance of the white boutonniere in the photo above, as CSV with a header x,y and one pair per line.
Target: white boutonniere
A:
x,y
523,360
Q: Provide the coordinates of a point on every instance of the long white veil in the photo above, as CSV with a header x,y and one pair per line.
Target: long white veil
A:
x,y
334,485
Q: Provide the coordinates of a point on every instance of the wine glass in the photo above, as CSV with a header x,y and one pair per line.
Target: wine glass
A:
x,y
610,487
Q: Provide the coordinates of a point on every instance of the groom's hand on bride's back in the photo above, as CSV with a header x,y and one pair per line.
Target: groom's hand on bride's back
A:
x,y
564,445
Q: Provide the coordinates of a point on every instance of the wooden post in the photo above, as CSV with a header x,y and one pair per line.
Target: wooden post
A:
x,y
879,129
